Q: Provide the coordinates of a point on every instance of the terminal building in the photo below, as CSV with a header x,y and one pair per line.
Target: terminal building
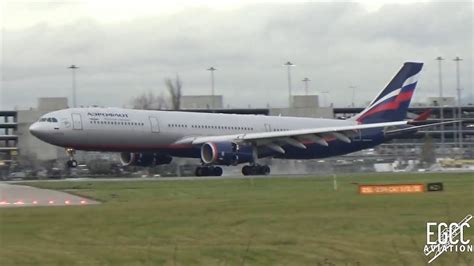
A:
x,y
18,145
8,140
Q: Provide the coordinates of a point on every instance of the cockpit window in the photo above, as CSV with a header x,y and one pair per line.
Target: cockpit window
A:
x,y
48,119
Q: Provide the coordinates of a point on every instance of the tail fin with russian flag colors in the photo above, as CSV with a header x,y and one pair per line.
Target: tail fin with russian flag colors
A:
x,y
392,102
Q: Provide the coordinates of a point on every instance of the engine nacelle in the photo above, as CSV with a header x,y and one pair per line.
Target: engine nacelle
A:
x,y
144,159
226,153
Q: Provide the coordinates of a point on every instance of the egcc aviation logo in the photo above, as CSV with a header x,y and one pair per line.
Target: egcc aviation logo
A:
x,y
448,240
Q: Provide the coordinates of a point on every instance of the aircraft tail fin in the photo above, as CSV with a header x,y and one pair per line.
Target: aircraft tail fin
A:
x,y
391,104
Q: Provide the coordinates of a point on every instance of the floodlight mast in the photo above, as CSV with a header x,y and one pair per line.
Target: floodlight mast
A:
x,y
212,69
73,70
441,116
458,89
306,81
289,65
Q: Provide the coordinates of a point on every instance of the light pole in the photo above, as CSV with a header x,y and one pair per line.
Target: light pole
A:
x,y
353,94
289,65
306,80
212,69
73,70
324,97
458,85
441,116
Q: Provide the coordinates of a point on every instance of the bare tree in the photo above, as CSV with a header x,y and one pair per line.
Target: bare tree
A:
x,y
174,88
149,101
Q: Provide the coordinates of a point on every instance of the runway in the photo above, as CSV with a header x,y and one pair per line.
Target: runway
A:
x,y
25,196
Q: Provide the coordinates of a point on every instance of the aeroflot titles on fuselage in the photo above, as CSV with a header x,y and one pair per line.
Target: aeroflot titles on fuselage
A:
x,y
122,115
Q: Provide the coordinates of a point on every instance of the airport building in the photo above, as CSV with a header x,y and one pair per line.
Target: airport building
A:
x,y
202,102
304,106
8,140
17,142
450,140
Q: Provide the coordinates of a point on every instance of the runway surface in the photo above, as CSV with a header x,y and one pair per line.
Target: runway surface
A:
x,y
24,196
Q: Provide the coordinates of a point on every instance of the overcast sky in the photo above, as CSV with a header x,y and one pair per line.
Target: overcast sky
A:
x,y
125,48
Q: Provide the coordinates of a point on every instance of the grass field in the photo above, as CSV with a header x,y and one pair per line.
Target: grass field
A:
x,y
270,221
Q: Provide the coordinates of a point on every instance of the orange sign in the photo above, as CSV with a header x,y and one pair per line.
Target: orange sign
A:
x,y
391,189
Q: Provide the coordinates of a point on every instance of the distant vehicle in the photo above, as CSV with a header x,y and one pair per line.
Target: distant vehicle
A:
x,y
55,173
82,170
14,175
147,138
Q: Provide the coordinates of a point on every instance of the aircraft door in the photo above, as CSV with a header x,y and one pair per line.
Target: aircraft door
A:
x,y
155,127
76,121
268,127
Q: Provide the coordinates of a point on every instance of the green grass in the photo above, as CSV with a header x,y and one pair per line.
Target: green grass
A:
x,y
277,221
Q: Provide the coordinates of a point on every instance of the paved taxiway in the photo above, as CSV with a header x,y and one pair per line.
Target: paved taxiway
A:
x,y
22,196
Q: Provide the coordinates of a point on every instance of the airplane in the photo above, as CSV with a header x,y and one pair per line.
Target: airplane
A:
x,y
148,138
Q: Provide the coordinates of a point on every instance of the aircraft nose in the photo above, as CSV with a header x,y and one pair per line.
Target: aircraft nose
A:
x,y
35,129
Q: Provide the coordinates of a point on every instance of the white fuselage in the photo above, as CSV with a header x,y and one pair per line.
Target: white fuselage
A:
x,y
117,129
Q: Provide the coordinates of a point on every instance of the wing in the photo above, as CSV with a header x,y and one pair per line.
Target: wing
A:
x,y
413,128
274,140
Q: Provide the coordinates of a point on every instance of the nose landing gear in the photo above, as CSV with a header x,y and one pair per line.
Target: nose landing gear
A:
x,y
71,163
255,170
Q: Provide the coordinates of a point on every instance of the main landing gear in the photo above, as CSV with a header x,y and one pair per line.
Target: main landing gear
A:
x,y
71,163
208,171
256,170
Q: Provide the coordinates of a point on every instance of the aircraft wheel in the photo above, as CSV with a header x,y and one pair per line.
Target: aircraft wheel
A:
x,y
217,171
198,171
265,170
202,171
246,170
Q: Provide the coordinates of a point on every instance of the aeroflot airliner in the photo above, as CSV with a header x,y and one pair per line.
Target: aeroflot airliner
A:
x,y
148,138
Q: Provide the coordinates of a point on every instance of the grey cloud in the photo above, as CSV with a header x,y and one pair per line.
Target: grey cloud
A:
x,y
334,44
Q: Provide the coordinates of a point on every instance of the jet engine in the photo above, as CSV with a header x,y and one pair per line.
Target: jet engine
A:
x,y
144,159
227,153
